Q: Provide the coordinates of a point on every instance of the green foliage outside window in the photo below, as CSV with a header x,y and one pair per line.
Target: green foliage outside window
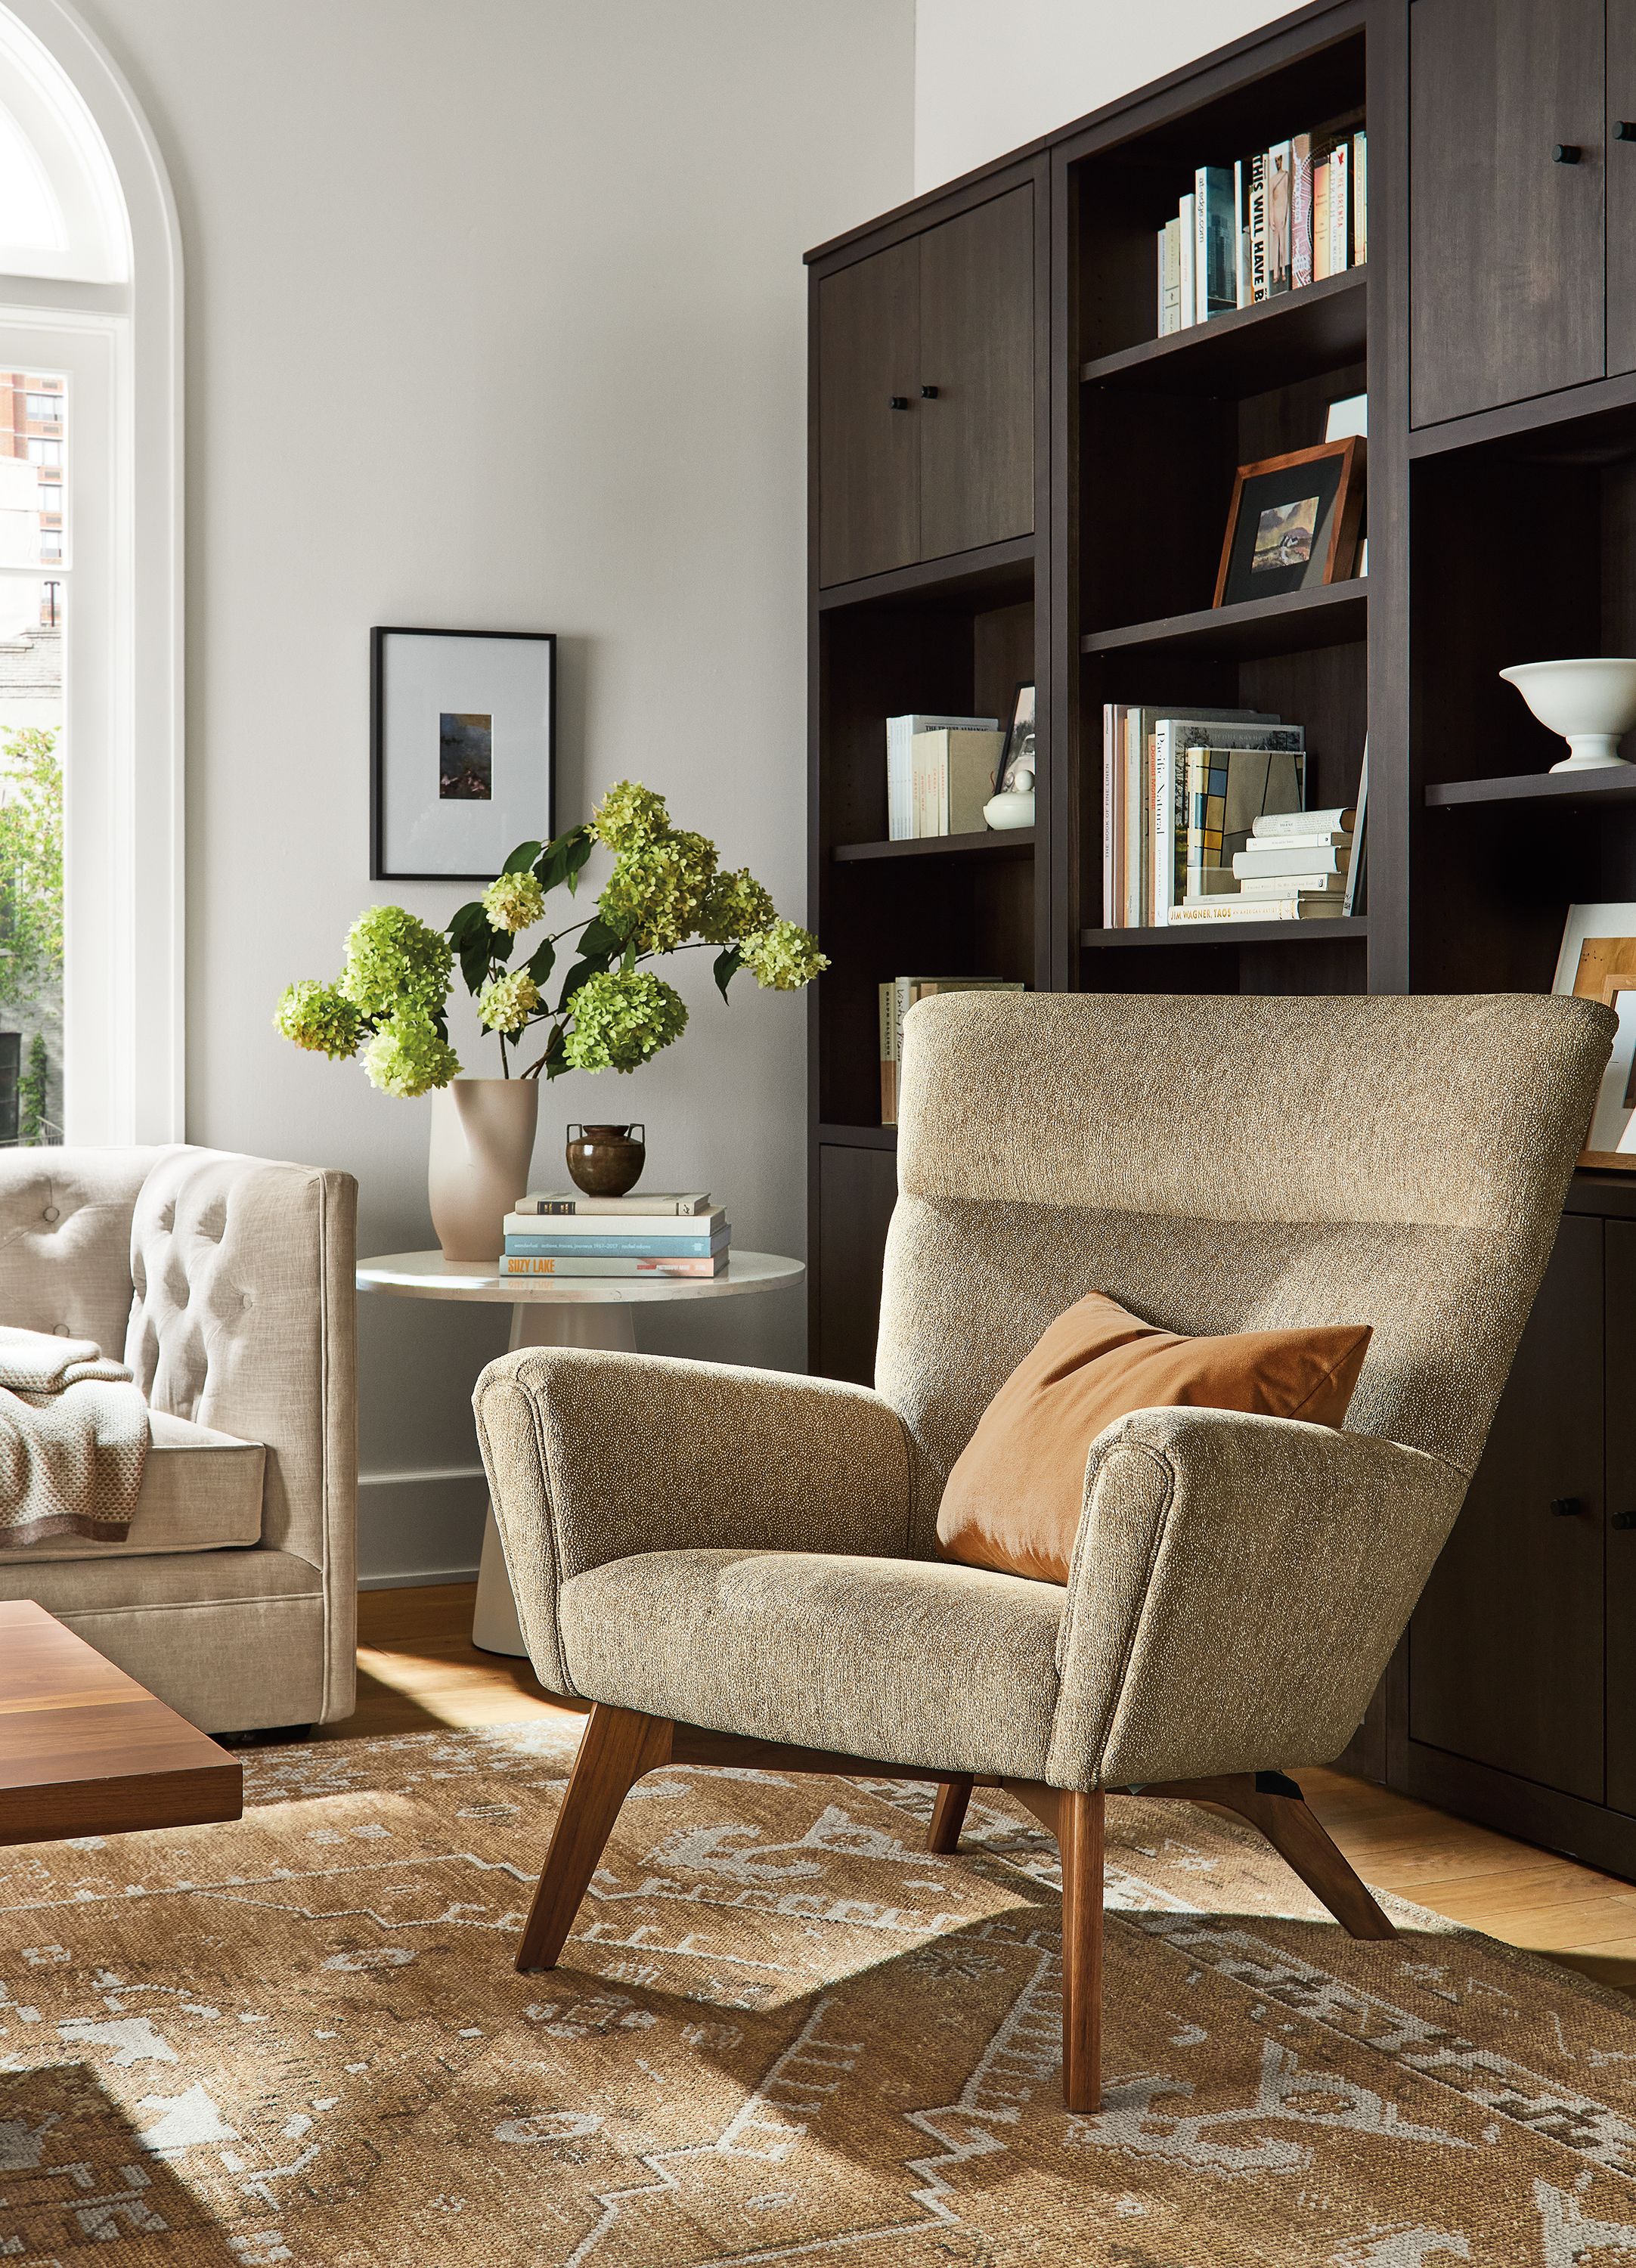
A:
x,y
31,863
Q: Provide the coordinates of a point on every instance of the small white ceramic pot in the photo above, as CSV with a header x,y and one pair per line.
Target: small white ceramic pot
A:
x,y
1001,812
482,1133
1592,704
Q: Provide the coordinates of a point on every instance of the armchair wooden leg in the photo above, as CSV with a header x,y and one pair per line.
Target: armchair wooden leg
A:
x,y
617,1746
1079,1838
1276,1806
948,1816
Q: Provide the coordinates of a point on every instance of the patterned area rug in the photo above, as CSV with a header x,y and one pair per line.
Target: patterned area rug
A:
x,y
782,2033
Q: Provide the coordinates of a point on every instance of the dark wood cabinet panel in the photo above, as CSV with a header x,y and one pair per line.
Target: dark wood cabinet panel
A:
x,y
1506,1647
1621,1501
977,348
1506,269
869,462
1621,163
857,1190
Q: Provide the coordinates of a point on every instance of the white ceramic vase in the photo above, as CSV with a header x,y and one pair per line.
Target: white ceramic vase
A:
x,y
1591,703
482,1133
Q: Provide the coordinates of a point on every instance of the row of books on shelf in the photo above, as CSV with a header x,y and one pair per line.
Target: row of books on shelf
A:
x,y
1270,223
940,773
650,1232
898,995
1205,821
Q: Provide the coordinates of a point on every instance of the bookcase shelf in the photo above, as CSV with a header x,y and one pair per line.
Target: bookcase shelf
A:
x,y
841,1137
1598,787
1296,622
1016,843
1302,334
995,573
1272,933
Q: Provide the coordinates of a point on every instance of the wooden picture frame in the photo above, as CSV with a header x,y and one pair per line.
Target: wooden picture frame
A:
x,y
1294,521
1598,961
451,711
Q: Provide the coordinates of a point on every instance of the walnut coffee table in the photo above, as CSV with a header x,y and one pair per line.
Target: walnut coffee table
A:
x,y
86,1750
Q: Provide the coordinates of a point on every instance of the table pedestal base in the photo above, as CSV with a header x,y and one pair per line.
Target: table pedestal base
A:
x,y
602,1324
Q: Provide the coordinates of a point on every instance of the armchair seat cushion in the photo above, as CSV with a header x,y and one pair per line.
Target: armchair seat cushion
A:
x,y
905,1661
200,1490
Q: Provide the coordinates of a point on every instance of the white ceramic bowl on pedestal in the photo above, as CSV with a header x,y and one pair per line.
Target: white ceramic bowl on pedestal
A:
x,y
1592,704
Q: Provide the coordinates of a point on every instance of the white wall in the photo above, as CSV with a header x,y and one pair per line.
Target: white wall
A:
x,y
497,320
990,77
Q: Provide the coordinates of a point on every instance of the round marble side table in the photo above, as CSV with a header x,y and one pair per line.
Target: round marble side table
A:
x,y
585,1311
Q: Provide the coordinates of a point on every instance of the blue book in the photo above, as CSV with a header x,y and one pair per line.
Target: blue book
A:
x,y
546,1247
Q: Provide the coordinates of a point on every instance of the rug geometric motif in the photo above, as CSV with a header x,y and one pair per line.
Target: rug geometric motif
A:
x,y
783,2031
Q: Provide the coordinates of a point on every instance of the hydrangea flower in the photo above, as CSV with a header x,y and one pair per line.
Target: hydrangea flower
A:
x,y
783,957
394,962
515,902
621,1018
628,815
407,1056
655,891
735,905
320,1016
506,1003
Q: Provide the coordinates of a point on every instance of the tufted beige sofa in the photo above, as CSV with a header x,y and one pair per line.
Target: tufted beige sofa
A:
x,y
226,1282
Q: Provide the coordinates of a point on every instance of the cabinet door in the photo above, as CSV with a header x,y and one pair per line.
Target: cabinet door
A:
x,y
857,1190
1506,1647
977,348
868,453
1621,162
1507,282
1621,1541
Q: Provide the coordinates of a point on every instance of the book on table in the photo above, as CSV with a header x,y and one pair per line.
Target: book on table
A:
x,y
572,1203
617,1248
528,1263
663,1230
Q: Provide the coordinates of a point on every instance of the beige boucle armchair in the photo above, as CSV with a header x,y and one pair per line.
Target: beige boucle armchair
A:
x,y
226,1282
738,1566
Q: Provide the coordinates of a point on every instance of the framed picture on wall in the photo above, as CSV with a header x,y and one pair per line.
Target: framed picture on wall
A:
x,y
1293,522
1598,962
462,750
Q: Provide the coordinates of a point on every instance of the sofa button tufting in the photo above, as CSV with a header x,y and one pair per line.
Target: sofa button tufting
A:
x,y
50,1213
246,1301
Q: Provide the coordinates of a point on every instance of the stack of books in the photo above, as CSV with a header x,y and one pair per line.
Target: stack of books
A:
x,y
940,773
1274,221
1293,865
1145,811
651,1232
898,996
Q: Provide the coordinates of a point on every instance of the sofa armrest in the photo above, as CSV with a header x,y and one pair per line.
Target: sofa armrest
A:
x,y
244,1319
1237,1587
594,1457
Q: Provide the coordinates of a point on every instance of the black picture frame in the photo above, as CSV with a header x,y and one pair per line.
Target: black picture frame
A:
x,y
380,752
1319,546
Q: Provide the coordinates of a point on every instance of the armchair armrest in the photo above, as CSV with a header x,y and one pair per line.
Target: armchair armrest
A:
x,y
1237,1587
594,1457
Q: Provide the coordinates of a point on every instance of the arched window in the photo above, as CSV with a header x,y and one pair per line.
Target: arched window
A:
x,y
91,805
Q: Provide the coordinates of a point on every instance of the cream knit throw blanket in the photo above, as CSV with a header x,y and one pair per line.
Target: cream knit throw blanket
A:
x,y
73,1440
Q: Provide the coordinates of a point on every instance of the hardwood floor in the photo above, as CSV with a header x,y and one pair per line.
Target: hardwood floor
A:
x,y
418,1668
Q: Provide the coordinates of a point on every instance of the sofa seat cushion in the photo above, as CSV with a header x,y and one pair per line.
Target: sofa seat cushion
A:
x,y
902,1660
200,1491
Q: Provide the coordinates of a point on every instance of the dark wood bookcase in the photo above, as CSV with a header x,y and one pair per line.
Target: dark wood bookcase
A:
x,y
1048,500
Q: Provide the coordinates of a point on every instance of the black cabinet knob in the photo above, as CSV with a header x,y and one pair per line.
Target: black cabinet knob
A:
x,y
1623,1520
1567,153
1567,1508
928,393
898,402
1626,130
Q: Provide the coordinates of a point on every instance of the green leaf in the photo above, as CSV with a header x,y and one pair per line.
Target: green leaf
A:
x,y
562,860
467,922
599,936
727,966
475,966
521,857
630,961
555,1061
542,961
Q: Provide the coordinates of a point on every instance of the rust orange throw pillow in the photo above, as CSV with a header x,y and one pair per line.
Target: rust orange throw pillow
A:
x,y
1014,1498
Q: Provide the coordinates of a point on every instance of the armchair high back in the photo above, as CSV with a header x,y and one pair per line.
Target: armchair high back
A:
x,y
736,1566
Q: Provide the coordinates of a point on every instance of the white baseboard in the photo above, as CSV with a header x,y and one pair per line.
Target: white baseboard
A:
x,y
417,1582
420,1526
